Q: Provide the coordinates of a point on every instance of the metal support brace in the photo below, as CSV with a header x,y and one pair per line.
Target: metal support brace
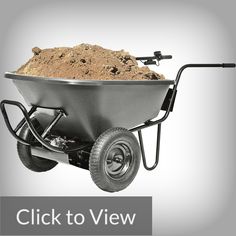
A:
x,y
27,120
53,123
157,148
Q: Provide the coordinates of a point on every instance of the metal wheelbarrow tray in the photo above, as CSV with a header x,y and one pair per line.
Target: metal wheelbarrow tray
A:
x,y
91,107
90,124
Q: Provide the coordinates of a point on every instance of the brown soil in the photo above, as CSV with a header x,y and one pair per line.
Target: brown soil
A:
x,y
87,62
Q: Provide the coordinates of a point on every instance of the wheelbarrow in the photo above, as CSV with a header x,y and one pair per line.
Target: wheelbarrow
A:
x,y
90,124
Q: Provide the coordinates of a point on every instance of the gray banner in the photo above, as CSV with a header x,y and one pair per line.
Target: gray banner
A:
x,y
76,216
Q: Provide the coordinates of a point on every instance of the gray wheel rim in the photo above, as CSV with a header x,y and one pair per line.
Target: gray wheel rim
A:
x,y
118,160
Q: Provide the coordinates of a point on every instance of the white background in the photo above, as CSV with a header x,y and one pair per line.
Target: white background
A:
x,y
193,186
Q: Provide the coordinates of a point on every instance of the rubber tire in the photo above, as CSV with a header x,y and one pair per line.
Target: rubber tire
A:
x,y
33,163
98,157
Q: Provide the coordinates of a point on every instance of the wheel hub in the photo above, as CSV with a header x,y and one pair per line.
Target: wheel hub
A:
x,y
118,160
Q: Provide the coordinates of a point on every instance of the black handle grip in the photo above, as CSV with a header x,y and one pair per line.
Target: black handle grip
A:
x,y
166,57
228,65
159,56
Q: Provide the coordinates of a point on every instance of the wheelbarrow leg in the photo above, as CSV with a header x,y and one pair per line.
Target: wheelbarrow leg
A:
x,y
157,148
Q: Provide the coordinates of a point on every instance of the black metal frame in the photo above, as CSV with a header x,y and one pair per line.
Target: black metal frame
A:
x,y
26,119
168,107
170,99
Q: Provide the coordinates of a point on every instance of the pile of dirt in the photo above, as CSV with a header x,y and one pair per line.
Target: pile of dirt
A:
x,y
86,62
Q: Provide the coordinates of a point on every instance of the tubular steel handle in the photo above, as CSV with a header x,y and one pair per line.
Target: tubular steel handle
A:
x,y
165,116
229,65
223,65
166,57
151,60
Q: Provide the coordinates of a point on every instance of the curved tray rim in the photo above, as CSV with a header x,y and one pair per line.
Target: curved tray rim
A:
x,y
15,76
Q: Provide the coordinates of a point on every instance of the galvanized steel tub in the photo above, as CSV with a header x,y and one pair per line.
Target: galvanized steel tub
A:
x,y
93,106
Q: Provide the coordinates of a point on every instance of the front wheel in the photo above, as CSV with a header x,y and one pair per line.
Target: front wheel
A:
x,y
114,159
